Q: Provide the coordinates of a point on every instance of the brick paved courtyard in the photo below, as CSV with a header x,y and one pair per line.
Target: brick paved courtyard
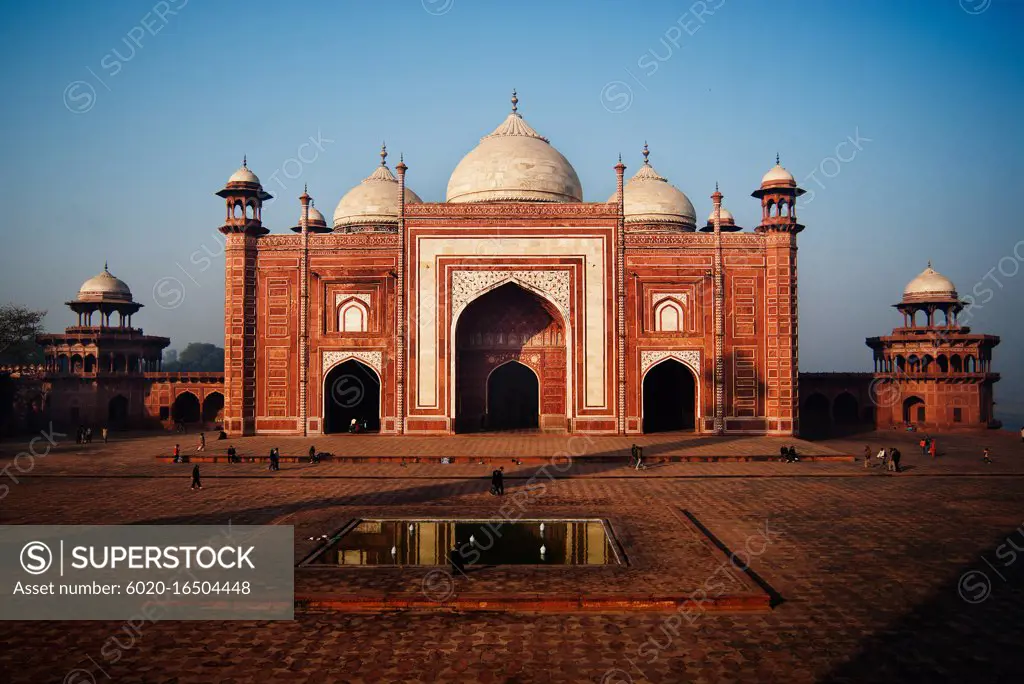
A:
x,y
864,567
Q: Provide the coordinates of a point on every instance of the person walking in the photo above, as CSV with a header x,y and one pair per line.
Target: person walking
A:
x,y
924,446
895,456
104,433
88,435
196,483
932,449
177,454
640,459
312,454
881,455
867,455
632,454
232,454
986,455
202,442
498,481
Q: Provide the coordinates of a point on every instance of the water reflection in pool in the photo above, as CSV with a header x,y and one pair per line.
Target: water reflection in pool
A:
x,y
481,542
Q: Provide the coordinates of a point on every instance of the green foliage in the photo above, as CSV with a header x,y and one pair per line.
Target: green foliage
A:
x,y
18,329
196,356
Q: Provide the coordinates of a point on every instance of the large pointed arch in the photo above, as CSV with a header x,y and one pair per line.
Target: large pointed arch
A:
x,y
551,296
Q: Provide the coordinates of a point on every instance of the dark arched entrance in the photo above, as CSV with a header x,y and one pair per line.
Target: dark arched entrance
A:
x,y
213,407
505,325
351,391
513,398
845,410
815,416
186,408
117,411
670,397
913,410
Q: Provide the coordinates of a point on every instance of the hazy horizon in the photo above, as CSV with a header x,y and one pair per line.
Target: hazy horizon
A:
x,y
899,119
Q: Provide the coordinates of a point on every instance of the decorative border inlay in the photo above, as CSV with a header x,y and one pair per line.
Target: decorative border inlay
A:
x,y
342,296
373,359
467,285
689,357
681,296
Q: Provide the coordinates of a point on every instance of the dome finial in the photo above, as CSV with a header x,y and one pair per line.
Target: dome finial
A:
x,y
515,101
107,271
929,263
383,153
716,186
244,162
646,153
777,159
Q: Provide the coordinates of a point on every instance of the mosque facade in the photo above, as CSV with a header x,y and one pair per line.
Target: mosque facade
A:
x,y
513,304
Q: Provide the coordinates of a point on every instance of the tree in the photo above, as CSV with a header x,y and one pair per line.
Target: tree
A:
x,y
18,329
196,356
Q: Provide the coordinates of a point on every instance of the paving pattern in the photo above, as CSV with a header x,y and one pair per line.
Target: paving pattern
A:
x,y
867,567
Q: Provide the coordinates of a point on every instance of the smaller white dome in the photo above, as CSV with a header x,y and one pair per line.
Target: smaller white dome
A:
x,y
649,198
373,202
724,215
778,176
244,175
315,216
929,284
104,288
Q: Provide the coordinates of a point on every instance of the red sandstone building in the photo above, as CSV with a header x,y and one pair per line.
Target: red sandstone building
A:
x,y
103,372
931,373
513,304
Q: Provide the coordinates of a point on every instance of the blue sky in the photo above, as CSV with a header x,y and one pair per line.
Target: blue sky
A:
x,y
121,119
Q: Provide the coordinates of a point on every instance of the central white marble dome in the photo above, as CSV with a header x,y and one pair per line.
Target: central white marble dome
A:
x,y
514,164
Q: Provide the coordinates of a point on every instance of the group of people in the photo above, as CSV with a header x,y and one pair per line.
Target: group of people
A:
x,y
84,435
928,446
890,459
358,425
788,454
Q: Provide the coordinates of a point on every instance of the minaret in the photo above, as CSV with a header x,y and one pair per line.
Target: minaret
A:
x,y
719,315
620,266
400,299
305,199
778,193
243,225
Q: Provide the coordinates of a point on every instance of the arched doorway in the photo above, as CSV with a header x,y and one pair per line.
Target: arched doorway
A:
x,y
815,416
513,398
913,410
213,407
117,411
510,324
351,391
846,410
186,408
670,397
